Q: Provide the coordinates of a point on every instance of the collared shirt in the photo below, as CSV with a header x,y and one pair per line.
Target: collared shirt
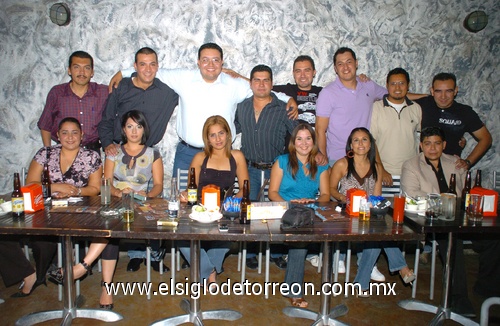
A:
x,y
263,140
396,132
199,100
62,103
157,103
347,109
443,186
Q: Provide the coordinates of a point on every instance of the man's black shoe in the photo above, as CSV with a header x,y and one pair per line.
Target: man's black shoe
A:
x,y
156,266
463,306
185,264
280,262
134,264
252,263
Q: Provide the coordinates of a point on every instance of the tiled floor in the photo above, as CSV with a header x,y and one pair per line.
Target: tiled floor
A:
x,y
137,310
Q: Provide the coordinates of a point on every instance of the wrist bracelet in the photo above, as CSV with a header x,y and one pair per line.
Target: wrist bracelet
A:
x,y
79,192
468,162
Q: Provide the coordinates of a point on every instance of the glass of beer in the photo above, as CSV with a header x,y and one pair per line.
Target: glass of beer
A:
x,y
128,207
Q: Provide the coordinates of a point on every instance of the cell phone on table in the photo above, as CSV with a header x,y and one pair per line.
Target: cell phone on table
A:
x,y
223,227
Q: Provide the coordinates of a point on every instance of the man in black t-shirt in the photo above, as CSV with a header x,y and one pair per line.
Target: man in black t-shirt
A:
x,y
441,110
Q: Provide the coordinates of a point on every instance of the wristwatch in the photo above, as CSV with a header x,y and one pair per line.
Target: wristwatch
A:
x,y
468,162
79,192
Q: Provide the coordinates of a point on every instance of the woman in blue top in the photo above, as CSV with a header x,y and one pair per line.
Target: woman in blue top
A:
x,y
297,178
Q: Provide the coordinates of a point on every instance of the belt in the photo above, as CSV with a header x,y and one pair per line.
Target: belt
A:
x,y
187,145
96,146
260,166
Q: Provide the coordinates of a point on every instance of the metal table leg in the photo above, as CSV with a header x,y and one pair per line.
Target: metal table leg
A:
x,y
194,314
70,310
442,312
325,316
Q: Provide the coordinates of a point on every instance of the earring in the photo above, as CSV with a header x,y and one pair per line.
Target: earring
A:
x,y
350,153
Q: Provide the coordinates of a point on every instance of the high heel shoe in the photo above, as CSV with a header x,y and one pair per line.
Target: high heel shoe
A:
x,y
408,277
21,294
57,276
108,306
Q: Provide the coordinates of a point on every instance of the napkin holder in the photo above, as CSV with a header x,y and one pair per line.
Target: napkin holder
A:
x,y
33,198
353,202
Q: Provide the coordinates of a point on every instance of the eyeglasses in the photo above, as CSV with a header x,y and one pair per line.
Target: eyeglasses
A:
x,y
400,83
206,61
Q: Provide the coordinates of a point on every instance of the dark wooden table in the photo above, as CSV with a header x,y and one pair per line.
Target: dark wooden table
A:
x,y
489,225
66,225
336,228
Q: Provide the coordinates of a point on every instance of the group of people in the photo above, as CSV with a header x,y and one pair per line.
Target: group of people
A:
x,y
352,133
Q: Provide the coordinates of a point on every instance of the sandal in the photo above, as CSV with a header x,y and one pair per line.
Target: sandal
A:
x,y
108,306
408,277
298,302
57,276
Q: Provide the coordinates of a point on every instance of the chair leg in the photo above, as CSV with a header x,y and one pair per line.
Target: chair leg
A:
x,y
26,252
59,265
415,271
348,264
433,267
259,268
268,253
320,258
77,258
148,268
173,266
239,255
243,262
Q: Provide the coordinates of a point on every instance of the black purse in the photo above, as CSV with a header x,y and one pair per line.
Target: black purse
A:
x,y
296,217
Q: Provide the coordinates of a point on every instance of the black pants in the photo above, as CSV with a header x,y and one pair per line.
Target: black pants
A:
x,y
14,266
488,275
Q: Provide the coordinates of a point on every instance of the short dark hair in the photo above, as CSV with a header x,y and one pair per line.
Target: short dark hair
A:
x,y
210,46
432,131
82,55
398,71
301,58
260,68
138,117
145,50
442,76
69,119
341,51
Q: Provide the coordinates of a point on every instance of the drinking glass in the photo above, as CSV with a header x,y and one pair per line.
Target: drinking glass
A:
x,y
448,206
128,207
105,191
475,208
398,212
433,209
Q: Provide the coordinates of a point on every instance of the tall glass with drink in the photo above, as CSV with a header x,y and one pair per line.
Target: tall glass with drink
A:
x,y
398,214
128,207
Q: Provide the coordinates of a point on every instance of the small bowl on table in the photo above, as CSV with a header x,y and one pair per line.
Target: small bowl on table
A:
x,y
378,213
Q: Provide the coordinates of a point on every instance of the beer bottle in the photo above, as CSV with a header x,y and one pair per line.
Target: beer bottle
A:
x,y
245,202
452,188
46,182
466,191
192,189
477,183
17,198
173,200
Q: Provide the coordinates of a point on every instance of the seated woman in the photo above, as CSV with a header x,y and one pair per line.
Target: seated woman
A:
x,y
73,171
360,170
132,168
15,268
296,177
218,165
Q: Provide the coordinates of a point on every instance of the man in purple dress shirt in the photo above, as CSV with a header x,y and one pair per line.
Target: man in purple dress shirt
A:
x,y
80,98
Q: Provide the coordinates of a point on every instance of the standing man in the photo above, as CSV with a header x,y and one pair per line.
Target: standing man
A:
x,y
395,122
144,93
303,91
153,98
203,92
440,110
343,105
263,123
80,99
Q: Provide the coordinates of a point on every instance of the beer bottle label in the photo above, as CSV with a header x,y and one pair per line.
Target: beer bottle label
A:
x,y
192,195
17,204
467,201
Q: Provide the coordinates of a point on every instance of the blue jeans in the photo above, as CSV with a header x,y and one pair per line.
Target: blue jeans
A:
x,y
255,181
183,157
139,252
369,258
210,258
295,269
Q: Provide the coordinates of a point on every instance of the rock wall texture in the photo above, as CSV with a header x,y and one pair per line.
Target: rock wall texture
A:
x,y
425,37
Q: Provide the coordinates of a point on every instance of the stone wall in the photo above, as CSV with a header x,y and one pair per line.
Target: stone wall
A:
x,y
425,37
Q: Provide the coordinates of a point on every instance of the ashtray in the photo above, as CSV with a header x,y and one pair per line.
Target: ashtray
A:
x,y
110,212
378,212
